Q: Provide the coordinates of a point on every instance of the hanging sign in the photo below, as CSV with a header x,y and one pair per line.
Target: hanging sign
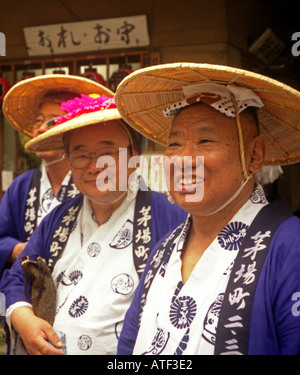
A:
x,y
72,37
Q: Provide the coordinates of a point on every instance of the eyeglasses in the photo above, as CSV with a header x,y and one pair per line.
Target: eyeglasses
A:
x,y
40,120
80,159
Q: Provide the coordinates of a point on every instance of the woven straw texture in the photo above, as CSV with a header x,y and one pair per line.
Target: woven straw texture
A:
x,y
143,95
22,102
53,138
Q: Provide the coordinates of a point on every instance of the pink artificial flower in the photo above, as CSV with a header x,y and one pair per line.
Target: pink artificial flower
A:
x,y
85,104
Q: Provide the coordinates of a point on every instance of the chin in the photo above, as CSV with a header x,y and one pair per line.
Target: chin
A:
x,y
104,198
188,199
190,204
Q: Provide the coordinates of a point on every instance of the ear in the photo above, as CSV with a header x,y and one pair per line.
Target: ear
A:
x,y
257,152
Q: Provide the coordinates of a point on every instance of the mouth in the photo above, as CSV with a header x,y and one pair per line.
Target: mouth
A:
x,y
187,183
93,181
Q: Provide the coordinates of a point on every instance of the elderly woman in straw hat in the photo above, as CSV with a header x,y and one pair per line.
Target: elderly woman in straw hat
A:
x,y
96,245
28,106
227,281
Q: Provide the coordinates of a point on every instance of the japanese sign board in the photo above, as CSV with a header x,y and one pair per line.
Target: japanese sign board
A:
x,y
114,33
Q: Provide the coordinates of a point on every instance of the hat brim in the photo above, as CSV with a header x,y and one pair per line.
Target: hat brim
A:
x,y
142,96
21,103
53,138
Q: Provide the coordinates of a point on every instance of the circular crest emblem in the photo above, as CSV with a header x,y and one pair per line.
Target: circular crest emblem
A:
x,y
183,311
93,249
47,199
258,196
84,342
78,307
122,284
124,237
231,237
211,320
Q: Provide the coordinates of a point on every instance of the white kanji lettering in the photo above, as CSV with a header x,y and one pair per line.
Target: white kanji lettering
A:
x,y
235,322
32,197
148,278
143,235
62,233
141,251
238,296
55,248
72,192
71,215
258,246
28,227
248,275
30,214
146,217
156,260
232,347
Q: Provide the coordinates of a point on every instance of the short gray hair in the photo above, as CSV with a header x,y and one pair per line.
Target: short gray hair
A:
x,y
66,141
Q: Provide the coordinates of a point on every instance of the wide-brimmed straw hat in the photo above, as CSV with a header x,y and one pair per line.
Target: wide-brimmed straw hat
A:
x,y
86,111
21,103
142,96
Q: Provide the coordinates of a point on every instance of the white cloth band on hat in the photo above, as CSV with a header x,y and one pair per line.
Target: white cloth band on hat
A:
x,y
216,95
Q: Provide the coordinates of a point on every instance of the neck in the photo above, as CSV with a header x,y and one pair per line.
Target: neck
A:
x,y
56,173
210,225
103,211
205,229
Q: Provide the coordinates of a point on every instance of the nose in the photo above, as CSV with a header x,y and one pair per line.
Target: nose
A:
x,y
188,154
92,165
95,165
188,149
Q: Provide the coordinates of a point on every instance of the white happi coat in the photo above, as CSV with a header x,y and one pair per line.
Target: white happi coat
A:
x,y
182,318
47,199
96,279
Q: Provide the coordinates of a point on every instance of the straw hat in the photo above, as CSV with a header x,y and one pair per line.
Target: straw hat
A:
x,y
94,114
142,96
22,102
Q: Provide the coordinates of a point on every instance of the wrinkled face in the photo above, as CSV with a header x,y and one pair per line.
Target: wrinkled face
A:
x,y
103,140
202,131
47,111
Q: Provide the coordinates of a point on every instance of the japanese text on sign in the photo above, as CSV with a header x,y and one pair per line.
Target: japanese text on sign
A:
x,y
75,37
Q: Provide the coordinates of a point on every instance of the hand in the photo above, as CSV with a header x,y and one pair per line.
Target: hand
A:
x,y
37,334
16,251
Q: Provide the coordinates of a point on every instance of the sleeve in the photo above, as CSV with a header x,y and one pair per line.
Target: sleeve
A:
x,y
275,320
12,207
286,291
12,283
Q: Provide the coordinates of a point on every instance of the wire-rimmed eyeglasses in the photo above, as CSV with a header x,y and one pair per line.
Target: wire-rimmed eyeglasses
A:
x,y
80,159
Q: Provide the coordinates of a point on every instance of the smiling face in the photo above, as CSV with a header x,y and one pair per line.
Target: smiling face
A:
x,y
200,130
104,139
